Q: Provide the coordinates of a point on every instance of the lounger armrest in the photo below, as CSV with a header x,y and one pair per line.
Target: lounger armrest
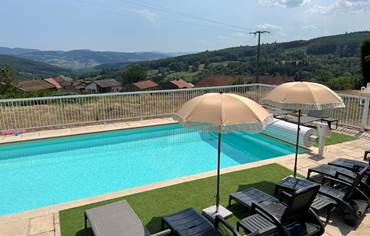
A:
x,y
256,208
220,220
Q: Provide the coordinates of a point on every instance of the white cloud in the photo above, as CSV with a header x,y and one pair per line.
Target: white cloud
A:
x,y
267,26
334,6
310,27
149,15
341,6
284,3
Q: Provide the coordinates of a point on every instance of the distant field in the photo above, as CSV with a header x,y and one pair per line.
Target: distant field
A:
x,y
187,76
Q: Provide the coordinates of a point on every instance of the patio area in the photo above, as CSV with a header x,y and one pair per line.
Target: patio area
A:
x,y
58,220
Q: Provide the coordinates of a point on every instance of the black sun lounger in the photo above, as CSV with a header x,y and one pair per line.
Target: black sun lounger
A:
x,y
280,113
190,223
294,218
304,119
353,203
114,219
341,173
249,196
350,164
321,114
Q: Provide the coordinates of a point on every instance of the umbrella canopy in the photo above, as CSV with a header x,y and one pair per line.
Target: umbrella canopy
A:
x,y
303,95
223,112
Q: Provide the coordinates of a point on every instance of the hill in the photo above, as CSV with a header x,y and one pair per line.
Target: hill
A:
x,y
15,51
332,60
28,69
81,59
316,60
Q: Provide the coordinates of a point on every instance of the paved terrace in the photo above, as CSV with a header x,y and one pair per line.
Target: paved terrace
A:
x,y
45,221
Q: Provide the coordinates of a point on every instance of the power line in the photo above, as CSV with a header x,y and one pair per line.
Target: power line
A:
x,y
184,14
255,33
132,10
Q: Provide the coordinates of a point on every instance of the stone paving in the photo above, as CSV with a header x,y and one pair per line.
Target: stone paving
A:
x,y
45,221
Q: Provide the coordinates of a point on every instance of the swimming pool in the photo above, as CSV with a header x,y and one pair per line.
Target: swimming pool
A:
x,y
40,173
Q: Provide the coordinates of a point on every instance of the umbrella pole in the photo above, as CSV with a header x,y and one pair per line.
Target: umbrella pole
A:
x,y
218,170
297,144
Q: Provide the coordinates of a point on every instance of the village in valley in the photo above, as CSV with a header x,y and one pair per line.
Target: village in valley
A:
x,y
67,84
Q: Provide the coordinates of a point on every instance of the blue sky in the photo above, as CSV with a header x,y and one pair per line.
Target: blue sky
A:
x,y
172,25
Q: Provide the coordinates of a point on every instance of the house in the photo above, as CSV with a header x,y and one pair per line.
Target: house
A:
x,y
104,86
61,82
35,85
217,80
142,86
177,84
79,86
273,80
65,82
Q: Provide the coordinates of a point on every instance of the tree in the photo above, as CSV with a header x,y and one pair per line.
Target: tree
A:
x,y
8,82
134,73
341,83
365,62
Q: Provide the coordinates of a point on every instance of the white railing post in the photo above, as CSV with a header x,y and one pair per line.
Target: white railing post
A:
x,y
173,102
365,113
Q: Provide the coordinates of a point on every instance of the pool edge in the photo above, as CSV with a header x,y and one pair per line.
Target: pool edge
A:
x,y
66,132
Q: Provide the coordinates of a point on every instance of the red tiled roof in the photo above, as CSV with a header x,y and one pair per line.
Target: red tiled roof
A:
x,y
145,84
53,82
182,84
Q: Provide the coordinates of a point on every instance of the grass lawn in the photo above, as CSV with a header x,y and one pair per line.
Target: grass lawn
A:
x,y
199,194
335,138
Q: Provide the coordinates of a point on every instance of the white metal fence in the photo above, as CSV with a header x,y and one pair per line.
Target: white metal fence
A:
x,y
64,111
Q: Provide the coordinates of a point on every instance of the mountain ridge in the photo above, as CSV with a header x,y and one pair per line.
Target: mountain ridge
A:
x,y
82,59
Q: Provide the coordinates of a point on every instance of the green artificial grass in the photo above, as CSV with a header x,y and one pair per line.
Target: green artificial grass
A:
x,y
198,194
335,138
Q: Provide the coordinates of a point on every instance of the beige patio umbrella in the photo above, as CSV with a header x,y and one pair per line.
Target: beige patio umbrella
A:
x,y
223,112
298,96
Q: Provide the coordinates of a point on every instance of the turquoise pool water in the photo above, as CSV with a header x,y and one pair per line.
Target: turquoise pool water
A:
x,y
40,173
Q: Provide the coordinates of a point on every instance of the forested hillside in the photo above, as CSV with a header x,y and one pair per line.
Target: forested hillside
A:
x,y
334,60
28,69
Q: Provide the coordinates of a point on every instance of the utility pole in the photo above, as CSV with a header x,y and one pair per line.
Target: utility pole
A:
x,y
259,32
